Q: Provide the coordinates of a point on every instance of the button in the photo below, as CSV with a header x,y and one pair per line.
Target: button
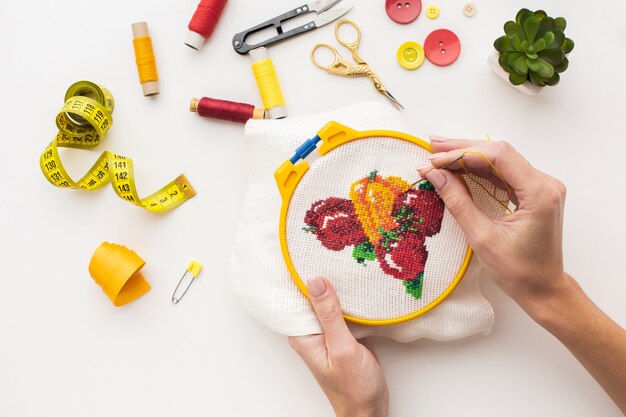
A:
x,y
432,12
469,9
403,11
410,55
442,47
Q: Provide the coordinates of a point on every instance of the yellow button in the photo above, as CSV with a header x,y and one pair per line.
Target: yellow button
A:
x,y
410,55
432,12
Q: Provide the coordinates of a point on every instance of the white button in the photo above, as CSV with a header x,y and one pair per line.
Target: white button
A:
x,y
469,10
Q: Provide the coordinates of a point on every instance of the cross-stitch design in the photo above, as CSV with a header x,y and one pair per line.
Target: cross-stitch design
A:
x,y
385,220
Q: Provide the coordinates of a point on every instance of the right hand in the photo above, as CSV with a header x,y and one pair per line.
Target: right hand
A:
x,y
521,252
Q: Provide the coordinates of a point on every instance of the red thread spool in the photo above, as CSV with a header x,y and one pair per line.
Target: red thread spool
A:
x,y
225,110
203,22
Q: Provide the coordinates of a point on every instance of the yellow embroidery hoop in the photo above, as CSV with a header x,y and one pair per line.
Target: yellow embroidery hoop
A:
x,y
288,176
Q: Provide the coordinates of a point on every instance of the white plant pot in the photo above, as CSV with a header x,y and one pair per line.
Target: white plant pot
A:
x,y
527,88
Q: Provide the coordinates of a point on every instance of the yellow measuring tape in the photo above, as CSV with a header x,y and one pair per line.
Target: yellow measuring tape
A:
x,y
83,121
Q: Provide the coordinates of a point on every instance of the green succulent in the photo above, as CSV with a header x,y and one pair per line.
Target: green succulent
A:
x,y
534,48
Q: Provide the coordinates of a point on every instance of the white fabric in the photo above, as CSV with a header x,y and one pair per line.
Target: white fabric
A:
x,y
365,290
259,277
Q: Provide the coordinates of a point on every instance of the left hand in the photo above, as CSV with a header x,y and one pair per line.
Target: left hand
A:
x,y
347,371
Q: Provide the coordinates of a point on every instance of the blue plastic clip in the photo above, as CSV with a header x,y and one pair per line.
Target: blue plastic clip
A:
x,y
305,149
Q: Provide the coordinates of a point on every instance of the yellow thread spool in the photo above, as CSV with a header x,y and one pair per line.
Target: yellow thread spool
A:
x,y
267,81
144,57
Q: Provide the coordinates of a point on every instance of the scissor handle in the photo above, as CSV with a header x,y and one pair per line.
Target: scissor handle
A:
x,y
350,45
338,66
354,45
242,47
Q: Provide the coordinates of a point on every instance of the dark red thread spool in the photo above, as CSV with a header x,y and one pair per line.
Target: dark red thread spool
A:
x,y
203,22
225,110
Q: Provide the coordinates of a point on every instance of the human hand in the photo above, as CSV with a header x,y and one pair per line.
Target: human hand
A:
x,y
521,252
347,371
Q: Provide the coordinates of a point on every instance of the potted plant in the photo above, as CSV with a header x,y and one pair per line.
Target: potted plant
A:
x,y
533,52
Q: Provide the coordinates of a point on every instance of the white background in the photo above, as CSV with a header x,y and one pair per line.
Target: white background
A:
x,y
66,351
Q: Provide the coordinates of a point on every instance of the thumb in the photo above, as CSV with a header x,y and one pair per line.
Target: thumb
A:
x,y
328,311
476,226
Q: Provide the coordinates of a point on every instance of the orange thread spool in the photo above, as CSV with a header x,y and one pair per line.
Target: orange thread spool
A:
x,y
144,57
116,269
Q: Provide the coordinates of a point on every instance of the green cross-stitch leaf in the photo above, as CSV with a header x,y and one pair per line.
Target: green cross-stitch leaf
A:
x,y
364,252
414,287
426,185
401,214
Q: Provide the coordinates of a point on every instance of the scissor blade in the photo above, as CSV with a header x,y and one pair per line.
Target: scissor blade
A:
x,y
320,6
329,16
393,100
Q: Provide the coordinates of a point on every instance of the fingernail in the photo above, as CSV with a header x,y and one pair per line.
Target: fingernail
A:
x,y
435,138
316,286
425,166
436,178
436,155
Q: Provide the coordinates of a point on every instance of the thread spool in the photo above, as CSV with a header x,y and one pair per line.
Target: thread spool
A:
x,y
144,57
116,269
225,110
267,81
203,22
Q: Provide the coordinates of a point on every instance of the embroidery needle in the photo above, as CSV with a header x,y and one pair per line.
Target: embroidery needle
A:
x,y
443,167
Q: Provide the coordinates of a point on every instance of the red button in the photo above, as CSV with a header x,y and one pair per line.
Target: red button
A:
x,y
442,47
403,11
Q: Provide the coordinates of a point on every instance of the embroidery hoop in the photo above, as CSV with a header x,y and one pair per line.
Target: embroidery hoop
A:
x,y
291,172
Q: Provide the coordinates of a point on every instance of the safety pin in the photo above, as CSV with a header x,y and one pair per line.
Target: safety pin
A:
x,y
193,270
443,167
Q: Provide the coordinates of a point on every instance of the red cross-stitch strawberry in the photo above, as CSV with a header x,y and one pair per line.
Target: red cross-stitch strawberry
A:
x,y
385,220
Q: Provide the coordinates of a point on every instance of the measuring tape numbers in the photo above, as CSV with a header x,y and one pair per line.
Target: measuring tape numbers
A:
x,y
83,122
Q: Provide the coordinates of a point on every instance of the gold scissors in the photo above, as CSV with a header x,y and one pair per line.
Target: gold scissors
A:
x,y
344,68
